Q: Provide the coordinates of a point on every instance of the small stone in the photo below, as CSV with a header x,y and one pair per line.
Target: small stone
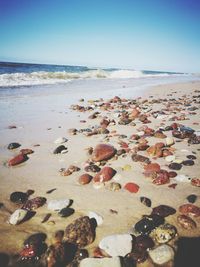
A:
x,y
113,186
140,158
191,157
195,182
85,179
146,201
26,151
18,197
175,166
192,198
126,167
172,174
60,140
103,152
152,167
190,209
34,203
162,254
92,168
163,210
17,160
97,217
188,162
98,185
101,262
148,223
66,212
143,242
182,178
170,158
164,233
132,187
58,204
59,149
104,175
116,245
18,216
169,141
80,232
12,146
186,222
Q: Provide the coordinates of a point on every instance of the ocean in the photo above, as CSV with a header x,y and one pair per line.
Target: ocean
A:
x,y
24,74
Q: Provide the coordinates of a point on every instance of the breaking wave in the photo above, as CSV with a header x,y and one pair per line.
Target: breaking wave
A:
x,y
45,77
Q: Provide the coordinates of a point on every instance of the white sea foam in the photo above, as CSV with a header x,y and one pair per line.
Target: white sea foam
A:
x,y
44,77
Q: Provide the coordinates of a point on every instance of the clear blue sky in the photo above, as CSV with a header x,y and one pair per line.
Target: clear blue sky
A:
x,y
139,34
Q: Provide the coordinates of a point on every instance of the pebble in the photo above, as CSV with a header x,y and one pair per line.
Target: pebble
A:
x,y
18,197
97,217
195,182
188,162
104,175
58,204
182,178
34,203
103,152
164,233
169,141
170,158
17,160
117,245
66,212
13,146
152,167
140,158
148,223
186,222
190,209
126,167
59,149
92,168
132,187
143,242
191,157
17,216
163,210
101,262
192,198
146,201
85,179
175,166
26,151
80,232
114,186
60,140
161,254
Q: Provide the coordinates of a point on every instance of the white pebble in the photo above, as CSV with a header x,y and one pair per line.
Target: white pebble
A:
x,y
58,204
96,216
60,140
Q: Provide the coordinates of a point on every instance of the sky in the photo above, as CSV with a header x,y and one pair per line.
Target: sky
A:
x,y
137,34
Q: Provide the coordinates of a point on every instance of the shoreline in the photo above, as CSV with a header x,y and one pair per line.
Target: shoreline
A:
x,y
41,172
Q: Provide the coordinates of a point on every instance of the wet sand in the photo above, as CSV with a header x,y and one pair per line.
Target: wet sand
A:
x,y
41,171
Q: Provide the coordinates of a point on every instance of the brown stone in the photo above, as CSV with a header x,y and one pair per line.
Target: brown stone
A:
x,y
103,152
163,210
26,151
152,167
85,179
190,209
186,222
104,175
80,232
140,158
17,160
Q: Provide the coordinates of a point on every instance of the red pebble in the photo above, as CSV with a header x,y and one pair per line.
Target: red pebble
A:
x,y
104,175
132,187
17,160
28,252
85,179
190,210
195,182
152,167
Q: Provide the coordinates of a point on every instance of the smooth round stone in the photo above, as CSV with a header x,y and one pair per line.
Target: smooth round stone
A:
x,y
186,222
148,223
132,187
179,161
192,198
195,182
143,242
172,174
98,185
92,168
162,254
164,233
152,167
103,152
190,209
104,175
175,166
85,179
114,186
60,140
116,245
66,212
188,162
59,149
20,158
169,141
17,216
170,158
13,146
182,178
18,197
97,217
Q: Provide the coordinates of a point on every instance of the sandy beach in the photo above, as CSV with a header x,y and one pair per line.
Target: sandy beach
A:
x,y
36,122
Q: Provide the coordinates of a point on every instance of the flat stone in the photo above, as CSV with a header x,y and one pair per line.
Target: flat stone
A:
x,y
59,149
14,145
162,254
170,158
190,210
97,217
103,152
186,222
17,160
60,140
152,167
163,210
103,262
164,233
58,204
146,201
132,187
18,197
116,245
34,203
192,198
84,179
175,166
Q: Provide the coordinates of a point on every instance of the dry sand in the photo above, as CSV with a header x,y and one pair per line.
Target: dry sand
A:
x,y
41,172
